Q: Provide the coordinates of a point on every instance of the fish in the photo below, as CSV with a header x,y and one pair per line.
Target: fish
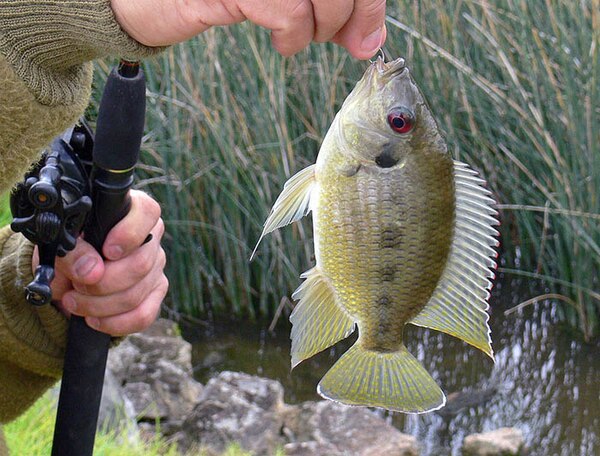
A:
x,y
403,234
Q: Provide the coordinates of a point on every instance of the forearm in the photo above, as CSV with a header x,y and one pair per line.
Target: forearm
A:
x,y
45,71
45,83
32,339
48,42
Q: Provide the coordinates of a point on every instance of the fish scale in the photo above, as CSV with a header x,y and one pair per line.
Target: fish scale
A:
x,y
403,234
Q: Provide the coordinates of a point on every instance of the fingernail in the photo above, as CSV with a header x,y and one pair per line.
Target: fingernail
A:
x,y
92,322
373,41
85,264
115,252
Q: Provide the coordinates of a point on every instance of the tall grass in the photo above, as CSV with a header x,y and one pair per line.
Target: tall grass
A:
x,y
514,84
31,434
229,121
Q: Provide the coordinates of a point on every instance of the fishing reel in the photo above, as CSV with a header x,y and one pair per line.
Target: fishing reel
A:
x,y
51,204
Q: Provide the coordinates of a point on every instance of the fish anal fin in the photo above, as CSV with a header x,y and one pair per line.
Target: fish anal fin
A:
x,y
391,380
318,321
458,305
292,204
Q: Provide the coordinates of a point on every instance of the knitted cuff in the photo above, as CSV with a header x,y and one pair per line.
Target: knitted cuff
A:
x,y
47,41
36,335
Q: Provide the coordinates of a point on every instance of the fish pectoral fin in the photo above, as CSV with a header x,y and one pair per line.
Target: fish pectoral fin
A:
x,y
392,380
458,305
292,204
318,321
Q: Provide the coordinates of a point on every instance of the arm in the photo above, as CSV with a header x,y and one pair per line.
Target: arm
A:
x,y
45,79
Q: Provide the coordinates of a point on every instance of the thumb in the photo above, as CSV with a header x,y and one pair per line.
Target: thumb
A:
x,y
83,265
365,31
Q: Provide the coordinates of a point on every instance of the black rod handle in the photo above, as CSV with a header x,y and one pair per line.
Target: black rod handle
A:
x,y
118,137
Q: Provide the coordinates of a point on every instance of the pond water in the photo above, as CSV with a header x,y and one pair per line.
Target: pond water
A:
x,y
543,382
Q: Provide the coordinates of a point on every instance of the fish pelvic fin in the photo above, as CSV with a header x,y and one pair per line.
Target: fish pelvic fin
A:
x,y
292,204
459,304
318,321
392,380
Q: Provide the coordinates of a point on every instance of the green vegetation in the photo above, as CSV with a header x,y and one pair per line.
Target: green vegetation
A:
x,y
31,434
515,85
5,214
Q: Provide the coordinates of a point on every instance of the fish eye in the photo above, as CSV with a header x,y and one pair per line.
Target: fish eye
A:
x,y
401,120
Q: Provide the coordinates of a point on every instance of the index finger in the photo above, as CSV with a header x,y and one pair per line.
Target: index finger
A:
x,y
133,229
365,32
330,17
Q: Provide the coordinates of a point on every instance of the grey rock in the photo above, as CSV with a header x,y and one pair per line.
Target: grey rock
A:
x,y
146,405
311,448
154,369
116,410
350,430
237,407
501,442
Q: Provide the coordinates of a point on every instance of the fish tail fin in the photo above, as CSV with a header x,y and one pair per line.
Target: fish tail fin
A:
x,y
392,380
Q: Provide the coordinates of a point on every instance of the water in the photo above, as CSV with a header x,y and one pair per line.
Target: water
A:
x,y
543,382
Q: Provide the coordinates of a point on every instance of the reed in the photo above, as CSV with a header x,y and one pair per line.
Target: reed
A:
x,y
514,84
516,87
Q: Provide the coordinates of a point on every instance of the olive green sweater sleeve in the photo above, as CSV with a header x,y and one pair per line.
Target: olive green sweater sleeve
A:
x,y
45,81
32,339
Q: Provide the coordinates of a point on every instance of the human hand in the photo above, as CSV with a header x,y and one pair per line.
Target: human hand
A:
x,y
121,294
356,25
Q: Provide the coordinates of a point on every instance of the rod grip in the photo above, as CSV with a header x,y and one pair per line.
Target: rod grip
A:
x,y
116,149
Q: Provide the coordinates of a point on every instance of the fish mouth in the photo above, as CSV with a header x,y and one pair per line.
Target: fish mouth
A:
x,y
390,69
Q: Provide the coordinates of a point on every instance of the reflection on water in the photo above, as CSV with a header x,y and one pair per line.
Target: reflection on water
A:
x,y
543,382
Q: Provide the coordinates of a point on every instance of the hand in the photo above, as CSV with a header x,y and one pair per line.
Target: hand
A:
x,y
356,25
121,294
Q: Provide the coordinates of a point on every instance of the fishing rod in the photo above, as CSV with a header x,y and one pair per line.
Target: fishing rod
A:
x,y
82,182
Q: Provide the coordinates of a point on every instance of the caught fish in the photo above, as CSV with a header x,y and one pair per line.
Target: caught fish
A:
x,y
403,234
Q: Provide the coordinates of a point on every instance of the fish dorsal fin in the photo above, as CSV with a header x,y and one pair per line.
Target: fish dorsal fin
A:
x,y
458,305
318,321
292,204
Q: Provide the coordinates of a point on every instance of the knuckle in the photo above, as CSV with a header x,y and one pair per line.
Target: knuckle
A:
x,y
162,259
373,8
153,208
148,205
293,14
159,229
148,314
301,10
131,299
142,266
164,285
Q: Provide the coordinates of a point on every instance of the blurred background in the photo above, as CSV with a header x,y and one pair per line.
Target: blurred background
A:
x,y
515,87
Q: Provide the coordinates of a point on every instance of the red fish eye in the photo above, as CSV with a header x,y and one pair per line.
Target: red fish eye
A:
x,y
401,120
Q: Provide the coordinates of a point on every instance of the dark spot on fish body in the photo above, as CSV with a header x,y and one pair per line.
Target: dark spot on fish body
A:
x,y
388,273
384,301
383,304
391,237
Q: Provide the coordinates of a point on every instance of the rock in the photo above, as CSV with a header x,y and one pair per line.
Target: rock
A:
x,y
154,369
237,407
311,448
116,410
501,442
349,430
